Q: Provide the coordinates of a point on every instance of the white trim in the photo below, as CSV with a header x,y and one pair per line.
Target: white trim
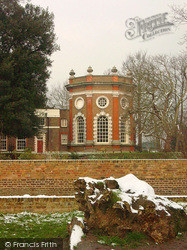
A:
x,y
76,100
91,92
35,144
109,129
51,126
127,103
48,112
65,121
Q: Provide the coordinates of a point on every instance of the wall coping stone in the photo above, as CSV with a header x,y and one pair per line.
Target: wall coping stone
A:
x,y
80,160
37,197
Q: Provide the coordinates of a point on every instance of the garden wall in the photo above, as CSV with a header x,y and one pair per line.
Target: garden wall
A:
x,y
56,177
37,205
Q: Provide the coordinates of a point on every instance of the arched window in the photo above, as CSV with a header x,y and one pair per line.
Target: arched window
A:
x,y
123,130
102,129
80,129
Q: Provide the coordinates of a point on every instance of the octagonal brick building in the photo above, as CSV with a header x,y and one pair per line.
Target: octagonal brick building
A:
x,y
100,112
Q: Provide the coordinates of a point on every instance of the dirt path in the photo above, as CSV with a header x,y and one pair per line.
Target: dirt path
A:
x,y
90,243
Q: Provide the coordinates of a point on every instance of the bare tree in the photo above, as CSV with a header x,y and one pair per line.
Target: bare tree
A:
x,y
137,65
160,98
167,89
176,76
179,16
58,97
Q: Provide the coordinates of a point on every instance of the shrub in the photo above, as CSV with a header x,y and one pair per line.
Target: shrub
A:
x,y
26,155
74,155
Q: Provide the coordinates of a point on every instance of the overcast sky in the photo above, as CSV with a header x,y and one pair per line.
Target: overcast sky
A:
x,y
92,32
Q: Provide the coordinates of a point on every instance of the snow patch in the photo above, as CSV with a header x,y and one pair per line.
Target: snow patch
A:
x,y
141,208
130,188
81,219
132,185
76,236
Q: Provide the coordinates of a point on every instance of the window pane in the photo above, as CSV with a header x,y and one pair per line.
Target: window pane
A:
x,y
102,129
123,130
102,102
21,144
80,129
3,142
64,123
64,139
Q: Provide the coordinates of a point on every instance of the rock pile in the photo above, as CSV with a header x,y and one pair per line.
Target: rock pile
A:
x,y
115,206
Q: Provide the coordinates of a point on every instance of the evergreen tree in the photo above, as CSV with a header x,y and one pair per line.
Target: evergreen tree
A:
x,y
27,40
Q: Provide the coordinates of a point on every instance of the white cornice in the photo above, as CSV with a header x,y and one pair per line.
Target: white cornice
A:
x,y
90,93
51,127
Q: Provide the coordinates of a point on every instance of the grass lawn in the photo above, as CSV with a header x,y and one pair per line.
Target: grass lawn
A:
x,y
131,239
32,225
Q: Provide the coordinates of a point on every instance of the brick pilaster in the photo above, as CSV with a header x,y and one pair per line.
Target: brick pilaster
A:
x,y
89,119
70,121
115,117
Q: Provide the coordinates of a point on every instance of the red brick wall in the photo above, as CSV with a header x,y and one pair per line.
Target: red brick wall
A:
x,y
168,177
37,205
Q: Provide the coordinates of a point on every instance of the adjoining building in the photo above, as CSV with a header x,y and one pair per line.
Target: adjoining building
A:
x,y
52,137
99,118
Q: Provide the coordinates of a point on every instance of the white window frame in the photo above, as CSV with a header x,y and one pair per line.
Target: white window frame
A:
x,y
20,140
64,123
64,139
75,128
3,139
107,102
102,113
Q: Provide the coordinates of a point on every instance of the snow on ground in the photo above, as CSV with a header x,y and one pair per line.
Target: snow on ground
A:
x,y
25,217
76,236
130,188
